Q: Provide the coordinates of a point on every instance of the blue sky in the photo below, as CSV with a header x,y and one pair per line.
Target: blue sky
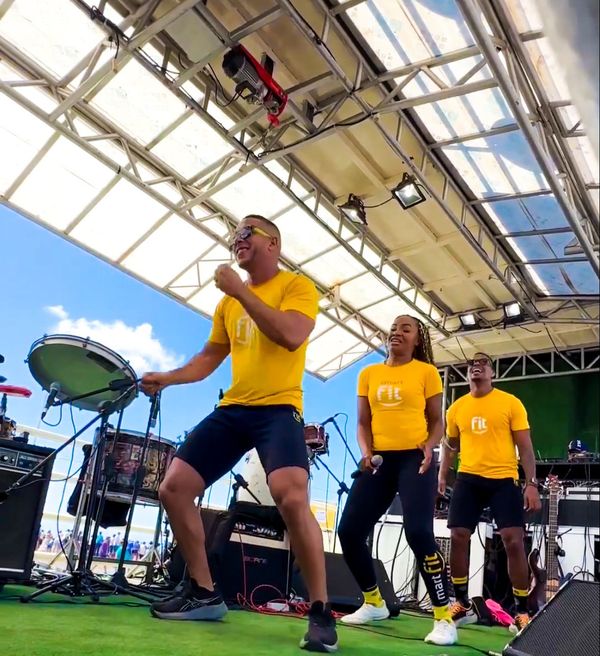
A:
x,y
43,270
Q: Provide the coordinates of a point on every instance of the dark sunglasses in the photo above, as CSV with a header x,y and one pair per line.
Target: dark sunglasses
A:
x,y
482,362
245,233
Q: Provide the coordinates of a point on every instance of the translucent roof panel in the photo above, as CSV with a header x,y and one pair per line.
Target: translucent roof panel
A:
x,y
364,291
565,279
502,164
538,247
191,146
328,346
201,272
56,34
535,213
22,135
468,114
252,193
137,102
119,219
301,236
168,251
383,314
334,267
403,32
64,167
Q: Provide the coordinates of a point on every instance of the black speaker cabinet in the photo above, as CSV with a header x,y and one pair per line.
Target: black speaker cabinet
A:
x,y
567,626
21,512
344,593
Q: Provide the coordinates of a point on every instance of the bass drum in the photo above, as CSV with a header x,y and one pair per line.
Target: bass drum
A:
x,y
254,474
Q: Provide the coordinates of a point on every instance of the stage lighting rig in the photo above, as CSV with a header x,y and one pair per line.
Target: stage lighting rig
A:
x,y
354,209
254,81
408,192
513,313
469,321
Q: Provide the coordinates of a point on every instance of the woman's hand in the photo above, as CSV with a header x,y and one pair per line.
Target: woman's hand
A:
x,y
427,448
365,463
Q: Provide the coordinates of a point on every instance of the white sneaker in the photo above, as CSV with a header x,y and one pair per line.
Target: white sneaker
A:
x,y
367,613
443,634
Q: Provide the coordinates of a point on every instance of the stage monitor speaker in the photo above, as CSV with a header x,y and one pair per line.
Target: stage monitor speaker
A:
x,y
344,593
248,551
21,513
567,626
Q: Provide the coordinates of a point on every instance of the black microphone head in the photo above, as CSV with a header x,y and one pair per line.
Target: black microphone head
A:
x,y
3,496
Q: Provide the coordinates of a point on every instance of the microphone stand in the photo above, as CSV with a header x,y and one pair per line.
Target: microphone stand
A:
x,y
105,411
342,489
343,437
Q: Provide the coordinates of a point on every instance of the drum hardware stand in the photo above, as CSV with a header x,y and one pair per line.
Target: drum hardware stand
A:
x,y
81,581
119,581
108,462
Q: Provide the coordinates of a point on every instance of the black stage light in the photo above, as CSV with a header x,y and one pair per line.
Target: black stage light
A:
x,y
408,192
354,209
469,321
513,312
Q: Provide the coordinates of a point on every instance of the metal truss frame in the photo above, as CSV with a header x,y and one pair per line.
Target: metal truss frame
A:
x,y
529,366
514,281
246,137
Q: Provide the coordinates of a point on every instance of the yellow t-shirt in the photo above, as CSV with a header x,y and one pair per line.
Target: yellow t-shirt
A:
x,y
397,399
485,426
264,373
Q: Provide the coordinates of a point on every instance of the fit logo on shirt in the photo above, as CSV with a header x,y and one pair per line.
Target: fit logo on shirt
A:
x,y
479,425
244,329
389,395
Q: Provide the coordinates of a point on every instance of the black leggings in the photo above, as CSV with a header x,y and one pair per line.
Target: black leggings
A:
x,y
371,495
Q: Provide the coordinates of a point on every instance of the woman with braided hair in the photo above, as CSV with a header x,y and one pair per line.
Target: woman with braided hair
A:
x,y
400,419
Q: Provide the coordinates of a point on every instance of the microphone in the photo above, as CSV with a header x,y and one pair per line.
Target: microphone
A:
x,y
54,390
329,420
376,462
155,408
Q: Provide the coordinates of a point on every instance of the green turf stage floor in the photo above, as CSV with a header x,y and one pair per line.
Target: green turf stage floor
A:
x,y
110,629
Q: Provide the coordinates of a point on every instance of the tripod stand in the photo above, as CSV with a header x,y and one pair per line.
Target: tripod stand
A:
x,y
81,581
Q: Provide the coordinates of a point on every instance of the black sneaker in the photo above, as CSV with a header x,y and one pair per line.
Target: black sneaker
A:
x,y
192,603
321,635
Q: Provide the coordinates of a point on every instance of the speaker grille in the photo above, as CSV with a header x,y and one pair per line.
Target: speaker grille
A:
x,y
567,626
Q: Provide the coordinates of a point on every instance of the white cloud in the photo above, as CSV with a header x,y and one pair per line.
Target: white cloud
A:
x,y
136,344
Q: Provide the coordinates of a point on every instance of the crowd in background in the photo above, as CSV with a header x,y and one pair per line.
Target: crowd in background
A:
x,y
107,546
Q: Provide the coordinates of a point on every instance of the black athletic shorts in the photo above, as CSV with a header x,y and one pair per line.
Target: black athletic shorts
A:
x,y
222,438
471,494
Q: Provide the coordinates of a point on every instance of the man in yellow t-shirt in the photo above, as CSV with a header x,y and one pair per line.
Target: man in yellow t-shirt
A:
x,y
488,426
264,324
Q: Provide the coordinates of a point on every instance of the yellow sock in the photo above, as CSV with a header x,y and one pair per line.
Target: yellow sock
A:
x,y
373,597
442,613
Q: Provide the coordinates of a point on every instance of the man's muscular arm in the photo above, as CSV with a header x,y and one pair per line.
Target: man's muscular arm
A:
x,y
198,368
287,328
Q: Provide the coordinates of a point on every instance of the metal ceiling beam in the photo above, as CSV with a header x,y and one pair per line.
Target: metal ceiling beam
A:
x,y
395,146
121,172
536,96
473,19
